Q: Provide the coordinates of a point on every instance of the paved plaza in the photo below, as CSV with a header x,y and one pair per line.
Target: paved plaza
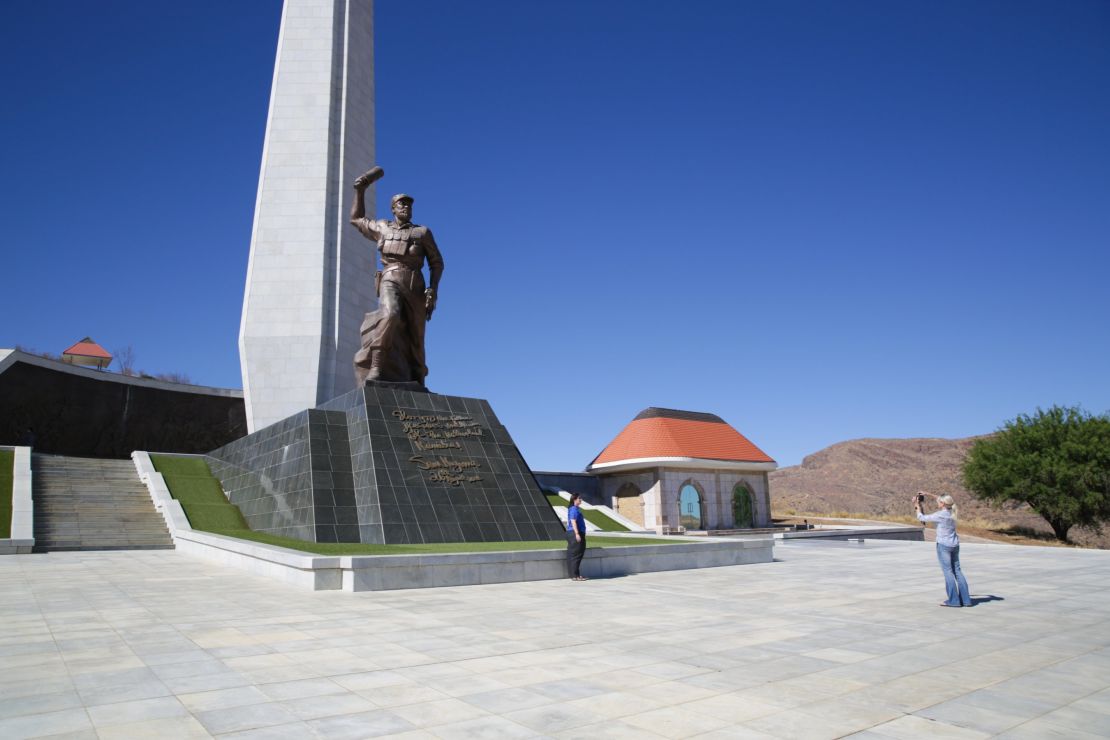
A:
x,y
830,640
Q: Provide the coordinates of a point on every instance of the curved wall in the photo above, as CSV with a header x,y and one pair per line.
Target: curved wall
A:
x,y
90,413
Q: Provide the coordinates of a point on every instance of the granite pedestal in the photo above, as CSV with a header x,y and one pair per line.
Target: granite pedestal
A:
x,y
386,465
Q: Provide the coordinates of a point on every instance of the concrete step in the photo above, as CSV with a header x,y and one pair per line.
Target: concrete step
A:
x,y
85,495
61,480
75,503
93,500
100,543
102,529
91,511
99,514
108,513
55,481
84,504
93,474
93,495
101,538
80,547
92,491
102,523
99,529
108,526
100,535
92,506
106,499
87,488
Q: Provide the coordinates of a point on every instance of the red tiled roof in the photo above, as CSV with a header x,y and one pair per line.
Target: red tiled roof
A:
x,y
87,348
670,433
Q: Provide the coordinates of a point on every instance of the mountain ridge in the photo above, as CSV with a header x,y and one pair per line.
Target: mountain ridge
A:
x,y
878,476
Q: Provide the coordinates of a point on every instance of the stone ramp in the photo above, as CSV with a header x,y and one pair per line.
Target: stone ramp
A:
x,y
91,504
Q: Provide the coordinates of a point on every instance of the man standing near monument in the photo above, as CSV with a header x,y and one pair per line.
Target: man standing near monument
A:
x,y
393,335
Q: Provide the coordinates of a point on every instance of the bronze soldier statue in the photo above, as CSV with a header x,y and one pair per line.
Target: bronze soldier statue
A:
x,y
393,335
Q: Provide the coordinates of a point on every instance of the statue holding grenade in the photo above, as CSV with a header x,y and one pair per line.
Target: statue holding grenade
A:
x,y
393,335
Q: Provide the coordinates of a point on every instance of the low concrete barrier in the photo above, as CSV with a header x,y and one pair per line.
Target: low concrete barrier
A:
x,y
377,573
387,572
22,538
301,569
913,534
167,505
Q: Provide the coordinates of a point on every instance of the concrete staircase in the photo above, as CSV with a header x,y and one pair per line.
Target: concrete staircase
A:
x,y
88,504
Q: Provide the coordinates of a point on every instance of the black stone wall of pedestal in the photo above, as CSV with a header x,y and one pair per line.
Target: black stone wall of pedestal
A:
x,y
387,465
293,478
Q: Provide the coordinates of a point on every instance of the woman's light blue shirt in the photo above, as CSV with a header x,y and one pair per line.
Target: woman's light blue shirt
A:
x,y
946,527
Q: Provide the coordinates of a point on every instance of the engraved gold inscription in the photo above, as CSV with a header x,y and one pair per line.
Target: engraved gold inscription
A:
x,y
432,433
437,432
452,471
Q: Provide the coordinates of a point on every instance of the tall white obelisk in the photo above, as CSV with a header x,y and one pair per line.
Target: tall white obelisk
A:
x,y
310,274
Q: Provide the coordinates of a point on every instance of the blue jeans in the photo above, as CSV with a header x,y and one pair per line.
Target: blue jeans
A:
x,y
954,582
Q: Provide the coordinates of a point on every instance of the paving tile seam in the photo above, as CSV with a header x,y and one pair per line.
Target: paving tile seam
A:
x,y
1047,712
432,662
524,607
989,686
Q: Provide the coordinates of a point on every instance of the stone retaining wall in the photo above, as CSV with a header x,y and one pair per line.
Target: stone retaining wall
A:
x,y
382,572
23,509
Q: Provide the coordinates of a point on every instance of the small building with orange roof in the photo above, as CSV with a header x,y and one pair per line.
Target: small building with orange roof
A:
x,y
670,470
87,353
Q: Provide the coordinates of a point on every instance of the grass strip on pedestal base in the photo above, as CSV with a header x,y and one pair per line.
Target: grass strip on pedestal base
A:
x,y
597,518
205,504
7,474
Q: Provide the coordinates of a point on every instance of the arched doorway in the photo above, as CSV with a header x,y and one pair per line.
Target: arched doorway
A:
x,y
689,506
629,503
743,508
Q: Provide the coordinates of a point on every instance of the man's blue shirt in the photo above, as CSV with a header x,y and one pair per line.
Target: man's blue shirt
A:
x,y
574,514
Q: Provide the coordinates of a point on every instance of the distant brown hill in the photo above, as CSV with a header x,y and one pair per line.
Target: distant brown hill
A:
x,y
878,476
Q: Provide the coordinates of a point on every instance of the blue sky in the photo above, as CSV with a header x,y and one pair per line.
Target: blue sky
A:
x,y
818,220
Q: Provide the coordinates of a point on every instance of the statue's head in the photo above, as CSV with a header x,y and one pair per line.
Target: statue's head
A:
x,y
401,205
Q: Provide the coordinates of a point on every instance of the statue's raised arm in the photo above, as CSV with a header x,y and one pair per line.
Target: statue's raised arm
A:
x,y
362,182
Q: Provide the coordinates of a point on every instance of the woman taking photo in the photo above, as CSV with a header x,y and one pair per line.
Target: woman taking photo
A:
x,y
948,546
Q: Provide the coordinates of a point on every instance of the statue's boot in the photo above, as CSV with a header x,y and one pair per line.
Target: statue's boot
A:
x,y
375,372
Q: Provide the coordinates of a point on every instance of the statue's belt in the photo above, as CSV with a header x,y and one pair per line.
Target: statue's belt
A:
x,y
411,278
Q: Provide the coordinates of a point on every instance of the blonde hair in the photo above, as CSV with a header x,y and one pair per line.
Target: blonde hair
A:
x,y
950,504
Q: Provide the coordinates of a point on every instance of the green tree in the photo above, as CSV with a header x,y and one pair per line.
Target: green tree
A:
x,y
1057,461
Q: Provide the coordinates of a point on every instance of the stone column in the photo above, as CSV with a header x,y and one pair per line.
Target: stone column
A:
x,y
310,274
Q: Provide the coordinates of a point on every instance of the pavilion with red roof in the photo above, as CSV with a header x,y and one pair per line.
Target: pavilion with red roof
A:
x,y
88,353
671,470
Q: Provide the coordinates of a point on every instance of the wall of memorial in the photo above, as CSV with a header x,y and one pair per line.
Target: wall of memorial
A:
x,y
92,413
